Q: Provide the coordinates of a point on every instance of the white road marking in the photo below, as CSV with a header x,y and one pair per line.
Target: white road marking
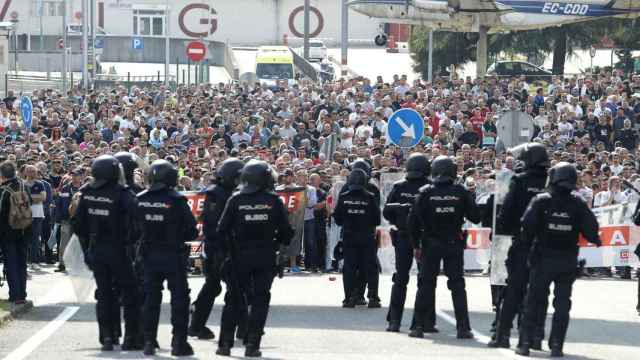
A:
x,y
41,336
480,337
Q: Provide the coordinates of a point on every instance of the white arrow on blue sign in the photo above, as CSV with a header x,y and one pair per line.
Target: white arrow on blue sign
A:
x,y
26,108
406,128
137,44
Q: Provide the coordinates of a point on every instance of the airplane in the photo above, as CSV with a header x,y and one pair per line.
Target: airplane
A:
x,y
491,16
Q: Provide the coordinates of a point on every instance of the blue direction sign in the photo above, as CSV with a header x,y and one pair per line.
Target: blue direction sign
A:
x,y
26,108
406,128
137,44
99,43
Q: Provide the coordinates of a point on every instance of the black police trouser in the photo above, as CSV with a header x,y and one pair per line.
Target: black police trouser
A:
x,y
210,290
110,273
561,270
260,279
404,260
360,257
638,306
514,294
115,328
452,255
157,269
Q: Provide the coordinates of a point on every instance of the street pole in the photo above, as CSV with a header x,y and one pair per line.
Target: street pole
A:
x,y
344,42
85,45
64,48
307,6
40,13
167,44
430,65
94,21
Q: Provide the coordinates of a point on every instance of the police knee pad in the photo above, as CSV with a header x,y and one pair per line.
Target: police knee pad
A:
x,y
400,279
456,284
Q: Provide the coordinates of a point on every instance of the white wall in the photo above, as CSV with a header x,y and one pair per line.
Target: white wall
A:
x,y
241,22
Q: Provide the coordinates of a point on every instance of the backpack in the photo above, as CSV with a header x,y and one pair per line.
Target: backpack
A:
x,y
19,208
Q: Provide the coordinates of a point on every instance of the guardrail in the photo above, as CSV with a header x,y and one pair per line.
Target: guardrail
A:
x,y
26,84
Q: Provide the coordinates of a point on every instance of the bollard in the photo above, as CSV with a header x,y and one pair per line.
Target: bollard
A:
x,y
129,81
183,75
159,75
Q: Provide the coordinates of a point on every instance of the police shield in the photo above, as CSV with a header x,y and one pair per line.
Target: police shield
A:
x,y
514,128
80,275
500,244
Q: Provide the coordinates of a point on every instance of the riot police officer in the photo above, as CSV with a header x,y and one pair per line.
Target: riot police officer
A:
x,y
358,213
102,223
396,211
216,197
129,164
435,222
555,220
256,223
361,283
165,223
523,187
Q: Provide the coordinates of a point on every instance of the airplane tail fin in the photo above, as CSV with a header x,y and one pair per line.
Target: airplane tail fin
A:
x,y
624,4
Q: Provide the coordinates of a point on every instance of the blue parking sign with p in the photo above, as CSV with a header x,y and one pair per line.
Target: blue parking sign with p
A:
x,y
406,128
137,44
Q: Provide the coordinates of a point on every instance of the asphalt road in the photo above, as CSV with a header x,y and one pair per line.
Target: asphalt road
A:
x,y
307,322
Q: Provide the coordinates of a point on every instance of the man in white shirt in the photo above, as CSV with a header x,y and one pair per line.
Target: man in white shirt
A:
x,y
287,131
612,196
312,259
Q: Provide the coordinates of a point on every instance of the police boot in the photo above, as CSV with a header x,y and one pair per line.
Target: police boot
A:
x,y
131,343
464,334
536,344
523,349
224,349
360,301
253,347
203,334
349,303
394,326
107,344
149,348
499,341
181,348
374,303
417,332
556,350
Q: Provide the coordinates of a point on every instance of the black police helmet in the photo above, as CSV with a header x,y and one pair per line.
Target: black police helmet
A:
x,y
443,170
229,172
162,175
129,164
563,175
256,176
418,166
105,169
363,165
534,155
357,179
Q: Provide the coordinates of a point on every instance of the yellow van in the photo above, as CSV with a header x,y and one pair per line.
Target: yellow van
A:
x,y
274,66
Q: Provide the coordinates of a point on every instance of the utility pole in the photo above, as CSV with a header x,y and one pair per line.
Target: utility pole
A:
x,y
307,6
64,48
94,21
344,42
430,66
40,5
85,45
167,43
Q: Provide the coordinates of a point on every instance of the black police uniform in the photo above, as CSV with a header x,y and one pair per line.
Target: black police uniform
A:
x,y
636,220
555,220
435,222
358,214
216,197
165,223
396,211
522,189
103,225
256,223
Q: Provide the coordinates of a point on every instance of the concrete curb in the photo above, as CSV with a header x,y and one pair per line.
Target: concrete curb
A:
x,y
16,310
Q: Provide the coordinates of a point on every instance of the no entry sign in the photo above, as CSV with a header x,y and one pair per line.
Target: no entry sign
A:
x,y
196,51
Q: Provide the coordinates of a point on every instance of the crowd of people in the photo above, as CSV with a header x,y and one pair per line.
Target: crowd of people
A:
x,y
311,134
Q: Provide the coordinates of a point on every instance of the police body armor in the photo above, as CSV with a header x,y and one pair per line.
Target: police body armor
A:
x,y
444,215
216,199
160,232
104,220
522,189
396,210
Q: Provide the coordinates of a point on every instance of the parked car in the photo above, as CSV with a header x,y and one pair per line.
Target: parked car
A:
x,y
519,68
317,50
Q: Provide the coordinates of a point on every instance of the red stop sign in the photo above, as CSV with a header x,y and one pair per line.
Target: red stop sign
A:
x,y
196,51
